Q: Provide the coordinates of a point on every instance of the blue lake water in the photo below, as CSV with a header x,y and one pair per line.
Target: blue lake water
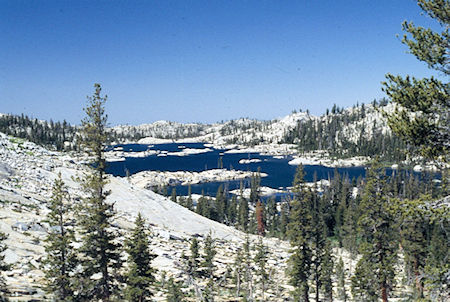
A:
x,y
280,173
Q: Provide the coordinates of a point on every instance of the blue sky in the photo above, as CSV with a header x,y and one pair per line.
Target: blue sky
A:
x,y
199,61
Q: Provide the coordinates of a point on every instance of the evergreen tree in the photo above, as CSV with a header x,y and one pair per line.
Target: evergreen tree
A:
x,y
437,265
341,276
259,213
326,272
299,234
208,265
272,219
209,253
221,205
422,115
194,257
60,259
189,202
248,268
284,219
379,247
174,292
100,251
260,259
232,210
318,241
414,229
348,231
3,267
140,273
243,213
238,271
255,182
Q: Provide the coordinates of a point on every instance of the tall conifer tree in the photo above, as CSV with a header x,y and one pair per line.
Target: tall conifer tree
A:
x,y
60,260
100,251
140,275
299,234
377,229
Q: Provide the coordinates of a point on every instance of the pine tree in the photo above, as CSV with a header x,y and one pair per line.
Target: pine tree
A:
x,y
243,213
272,219
238,271
100,251
208,265
140,275
437,265
174,292
248,268
422,115
189,202
3,267
194,257
221,205
232,210
260,259
378,232
299,234
321,256
414,229
60,259
255,182
348,231
341,276
284,219
327,272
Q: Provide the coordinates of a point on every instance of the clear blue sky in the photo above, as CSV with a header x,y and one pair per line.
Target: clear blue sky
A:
x,y
200,61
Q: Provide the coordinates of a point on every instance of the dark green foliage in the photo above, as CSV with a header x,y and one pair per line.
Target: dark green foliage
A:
x,y
208,255
193,263
50,134
437,264
60,260
299,234
272,218
140,275
100,251
174,292
422,115
325,134
341,276
348,231
189,202
248,277
243,213
326,271
377,228
364,283
221,205
284,219
4,267
238,271
232,210
260,260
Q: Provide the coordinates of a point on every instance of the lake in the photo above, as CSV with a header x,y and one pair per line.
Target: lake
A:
x,y
280,172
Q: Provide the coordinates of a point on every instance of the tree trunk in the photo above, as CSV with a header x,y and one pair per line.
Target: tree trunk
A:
x,y
419,285
384,296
